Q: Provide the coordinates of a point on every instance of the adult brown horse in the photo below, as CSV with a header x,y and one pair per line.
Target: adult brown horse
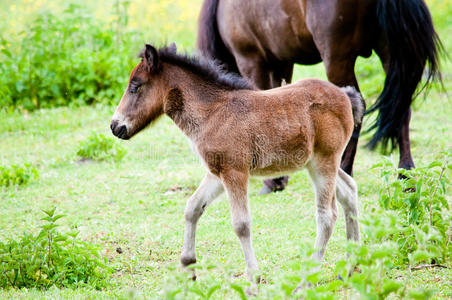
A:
x,y
263,39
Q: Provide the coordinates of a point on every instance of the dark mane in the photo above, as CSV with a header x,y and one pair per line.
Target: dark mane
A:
x,y
208,69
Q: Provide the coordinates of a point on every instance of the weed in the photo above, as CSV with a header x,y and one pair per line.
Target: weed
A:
x,y
64,58
51,258
422,231
17,175
99,147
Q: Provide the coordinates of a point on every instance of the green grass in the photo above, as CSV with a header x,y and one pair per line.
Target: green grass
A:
x,y
137,204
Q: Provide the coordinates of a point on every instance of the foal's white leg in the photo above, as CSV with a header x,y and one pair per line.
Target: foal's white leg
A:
x,y
347,195
236,184
324,178
323,175
209,189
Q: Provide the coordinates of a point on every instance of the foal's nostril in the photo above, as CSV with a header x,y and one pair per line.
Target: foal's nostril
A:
x,y
113,125
121,132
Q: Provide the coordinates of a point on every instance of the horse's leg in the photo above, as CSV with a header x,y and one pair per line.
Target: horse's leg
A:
x,y
340,71
282,73
235,184
254,68
406,160
323,172
347,195
209,189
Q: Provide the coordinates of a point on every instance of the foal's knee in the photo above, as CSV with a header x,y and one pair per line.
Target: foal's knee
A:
x,y
242,228
187,259
192,214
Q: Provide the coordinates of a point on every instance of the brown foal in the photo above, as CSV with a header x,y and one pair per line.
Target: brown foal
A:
x,y
232,128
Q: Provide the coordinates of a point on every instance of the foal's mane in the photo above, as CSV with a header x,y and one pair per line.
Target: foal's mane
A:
x,y
207,69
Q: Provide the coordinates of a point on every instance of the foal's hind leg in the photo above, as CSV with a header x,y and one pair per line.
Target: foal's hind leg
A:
x,y
347,195
209,189
323,172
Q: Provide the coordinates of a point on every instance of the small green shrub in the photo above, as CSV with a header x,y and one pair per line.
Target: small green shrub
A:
x,y
423,227
17,175
65,58
51,258
99,147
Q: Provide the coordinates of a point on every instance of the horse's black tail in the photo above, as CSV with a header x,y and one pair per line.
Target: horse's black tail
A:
x,y
209,41
412,43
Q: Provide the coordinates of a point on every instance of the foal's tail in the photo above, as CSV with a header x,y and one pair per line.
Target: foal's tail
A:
x,y
357,103
412,44
209,41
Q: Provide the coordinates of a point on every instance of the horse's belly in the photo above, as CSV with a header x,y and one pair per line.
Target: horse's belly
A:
x,y
277,29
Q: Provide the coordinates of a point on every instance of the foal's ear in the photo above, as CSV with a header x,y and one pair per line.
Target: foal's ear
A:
x,y
172,47
151,58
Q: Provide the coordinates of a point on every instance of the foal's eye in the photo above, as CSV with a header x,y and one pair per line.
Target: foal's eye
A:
x,y
134,88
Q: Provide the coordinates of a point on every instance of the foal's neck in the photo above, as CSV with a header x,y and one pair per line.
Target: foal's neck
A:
x,y
191,99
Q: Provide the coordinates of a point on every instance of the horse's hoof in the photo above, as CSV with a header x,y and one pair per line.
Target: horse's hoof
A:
x,y
265,190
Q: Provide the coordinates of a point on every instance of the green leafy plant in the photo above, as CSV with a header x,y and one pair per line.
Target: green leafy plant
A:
x,y
51,258
65,58
99,147
17,175
423,227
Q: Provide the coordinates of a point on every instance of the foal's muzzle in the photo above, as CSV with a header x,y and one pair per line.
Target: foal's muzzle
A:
x,y
119,130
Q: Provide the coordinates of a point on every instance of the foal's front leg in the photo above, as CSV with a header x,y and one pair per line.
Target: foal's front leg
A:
x,y
209,189
236,183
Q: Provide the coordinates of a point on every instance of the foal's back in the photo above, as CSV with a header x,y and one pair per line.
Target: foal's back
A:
x,y
309,117
279,130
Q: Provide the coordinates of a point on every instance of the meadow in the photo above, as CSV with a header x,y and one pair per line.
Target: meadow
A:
x,y
63,70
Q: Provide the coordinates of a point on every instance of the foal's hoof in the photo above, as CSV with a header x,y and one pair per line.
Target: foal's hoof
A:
x,y
187,260
191,273
252,291
302,286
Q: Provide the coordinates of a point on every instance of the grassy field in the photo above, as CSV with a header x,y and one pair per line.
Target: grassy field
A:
x,y
137,204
